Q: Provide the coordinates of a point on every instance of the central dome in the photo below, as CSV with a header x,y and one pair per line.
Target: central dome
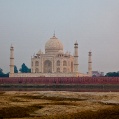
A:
x,y
53,45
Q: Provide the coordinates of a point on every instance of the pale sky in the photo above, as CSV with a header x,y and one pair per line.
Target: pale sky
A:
x,y
28,24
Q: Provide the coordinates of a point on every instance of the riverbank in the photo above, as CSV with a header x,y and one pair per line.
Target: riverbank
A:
x,y
58,104
61,87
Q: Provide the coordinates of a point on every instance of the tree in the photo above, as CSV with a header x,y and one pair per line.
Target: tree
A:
x,y
6,75
112,74
24,69
1,71
2,74
15,69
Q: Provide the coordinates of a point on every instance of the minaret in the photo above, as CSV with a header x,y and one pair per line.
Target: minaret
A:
x,y
11,61
76,57
90,64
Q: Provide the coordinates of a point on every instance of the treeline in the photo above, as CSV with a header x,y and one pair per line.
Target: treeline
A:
x,y
3,74
23,69
112,74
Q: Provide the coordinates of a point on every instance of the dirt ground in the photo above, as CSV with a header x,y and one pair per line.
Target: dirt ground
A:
x,y
59,105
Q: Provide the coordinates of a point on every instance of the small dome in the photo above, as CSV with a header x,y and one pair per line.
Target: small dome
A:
x,y
53,45
66,53
39,52
60,52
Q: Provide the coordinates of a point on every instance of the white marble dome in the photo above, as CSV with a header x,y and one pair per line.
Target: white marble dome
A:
x,y
53,45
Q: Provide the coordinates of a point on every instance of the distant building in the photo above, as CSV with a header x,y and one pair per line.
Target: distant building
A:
x,y
53,63
97,73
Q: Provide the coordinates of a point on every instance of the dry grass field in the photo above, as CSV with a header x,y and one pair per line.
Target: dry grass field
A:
x,y
59,105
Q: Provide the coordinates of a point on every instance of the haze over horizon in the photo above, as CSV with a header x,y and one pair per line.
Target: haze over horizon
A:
x,y
28,24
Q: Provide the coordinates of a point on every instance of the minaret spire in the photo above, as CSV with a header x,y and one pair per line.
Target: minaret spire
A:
x,y
76,57
90,64
11,61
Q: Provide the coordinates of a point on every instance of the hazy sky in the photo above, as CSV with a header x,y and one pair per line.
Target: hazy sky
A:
x,y
28,24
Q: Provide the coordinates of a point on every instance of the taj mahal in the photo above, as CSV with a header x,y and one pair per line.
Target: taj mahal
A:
x,y
54,62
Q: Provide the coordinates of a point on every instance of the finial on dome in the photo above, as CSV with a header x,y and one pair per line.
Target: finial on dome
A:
x,y
54,34
11,46
76,43
90,51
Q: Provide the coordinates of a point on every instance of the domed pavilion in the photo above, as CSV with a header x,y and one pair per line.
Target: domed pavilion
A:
x,y
54,60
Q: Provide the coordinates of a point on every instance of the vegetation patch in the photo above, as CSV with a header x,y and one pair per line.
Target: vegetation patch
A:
x,y
16,100
52,98
18,112
64,103
109,103
60,103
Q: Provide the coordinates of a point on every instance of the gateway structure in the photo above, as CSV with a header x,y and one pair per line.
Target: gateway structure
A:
x,y
53,63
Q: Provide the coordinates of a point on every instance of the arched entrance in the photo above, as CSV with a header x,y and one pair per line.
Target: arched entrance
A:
x,y
36,70
47,66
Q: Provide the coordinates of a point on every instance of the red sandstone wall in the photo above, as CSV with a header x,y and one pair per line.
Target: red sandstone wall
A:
x,y
60,80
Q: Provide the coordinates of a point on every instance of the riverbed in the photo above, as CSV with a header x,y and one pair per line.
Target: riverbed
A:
x,y
58,104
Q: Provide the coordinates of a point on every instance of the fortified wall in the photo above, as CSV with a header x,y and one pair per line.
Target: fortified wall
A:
x,y
60,80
